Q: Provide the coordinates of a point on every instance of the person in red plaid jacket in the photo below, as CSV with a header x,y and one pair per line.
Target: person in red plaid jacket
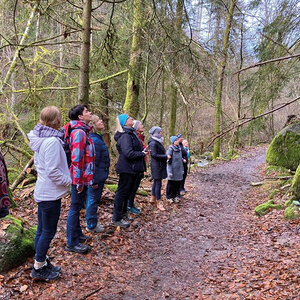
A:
x,y
82,173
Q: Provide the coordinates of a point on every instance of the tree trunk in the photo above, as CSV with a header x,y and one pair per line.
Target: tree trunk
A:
x,y
131,105
105,113
173,105
84,86
221,72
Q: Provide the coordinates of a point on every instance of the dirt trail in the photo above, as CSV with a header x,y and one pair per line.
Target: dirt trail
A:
x,y
210,246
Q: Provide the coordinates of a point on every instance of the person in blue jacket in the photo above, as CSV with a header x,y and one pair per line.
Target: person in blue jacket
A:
x,y
102,163
130,166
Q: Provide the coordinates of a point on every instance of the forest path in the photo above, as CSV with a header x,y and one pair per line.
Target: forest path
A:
x,y
213,246
210,246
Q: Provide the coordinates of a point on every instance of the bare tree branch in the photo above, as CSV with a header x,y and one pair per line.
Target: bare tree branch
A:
x,y
266,62
251,119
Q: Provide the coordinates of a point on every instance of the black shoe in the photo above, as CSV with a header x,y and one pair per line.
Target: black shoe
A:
x,y
82,249
53,268
44,273
84,238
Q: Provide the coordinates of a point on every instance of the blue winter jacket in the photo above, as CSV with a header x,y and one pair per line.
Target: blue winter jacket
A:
x,y
102,160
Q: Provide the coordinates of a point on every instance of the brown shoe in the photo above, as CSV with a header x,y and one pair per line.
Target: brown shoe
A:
x,y
160,206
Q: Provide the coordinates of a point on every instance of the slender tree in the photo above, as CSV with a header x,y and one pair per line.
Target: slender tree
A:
x,y
221,74
84,86
131,105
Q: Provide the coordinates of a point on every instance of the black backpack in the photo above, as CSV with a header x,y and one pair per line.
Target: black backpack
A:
x,y
66,144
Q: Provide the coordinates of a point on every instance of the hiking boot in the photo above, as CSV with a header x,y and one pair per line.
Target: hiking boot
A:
x,y
134,210
127,218
177,199
84,238
53,268
44,273
121,223
82,249
98,228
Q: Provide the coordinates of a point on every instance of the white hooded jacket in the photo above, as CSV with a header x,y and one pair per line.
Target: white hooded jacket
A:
x,y
51,164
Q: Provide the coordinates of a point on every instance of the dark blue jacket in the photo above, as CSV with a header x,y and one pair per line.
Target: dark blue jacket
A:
x,y
131,155
158,159
102,160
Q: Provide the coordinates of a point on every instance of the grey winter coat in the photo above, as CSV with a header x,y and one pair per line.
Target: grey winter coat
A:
x,y
175,164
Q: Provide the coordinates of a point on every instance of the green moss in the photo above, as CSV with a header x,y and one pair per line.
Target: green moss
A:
x,y
114,187
264,208
273,193
280,171
292,213
296,183
284,149
17,245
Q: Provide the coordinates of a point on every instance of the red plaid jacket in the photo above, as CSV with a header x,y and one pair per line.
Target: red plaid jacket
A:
x,y
82,153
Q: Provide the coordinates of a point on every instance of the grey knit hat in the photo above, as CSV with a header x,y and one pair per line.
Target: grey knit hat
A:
x,y
136,124
155,129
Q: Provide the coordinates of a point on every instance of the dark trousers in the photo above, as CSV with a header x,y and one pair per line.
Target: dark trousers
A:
x,y
173,189
48,215
92,203
185,168
125,184
133,191
73,223
156,188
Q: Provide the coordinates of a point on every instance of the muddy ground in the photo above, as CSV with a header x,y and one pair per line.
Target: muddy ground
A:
x,y
210,246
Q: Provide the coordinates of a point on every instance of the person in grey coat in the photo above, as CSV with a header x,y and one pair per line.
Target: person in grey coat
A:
x,y
174,169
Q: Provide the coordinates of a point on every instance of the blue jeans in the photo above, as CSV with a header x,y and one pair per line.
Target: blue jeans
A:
x,y
156,189
73,223
92,202
48,215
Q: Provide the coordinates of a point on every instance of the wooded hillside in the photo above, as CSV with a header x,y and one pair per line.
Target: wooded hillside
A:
x,y
195,67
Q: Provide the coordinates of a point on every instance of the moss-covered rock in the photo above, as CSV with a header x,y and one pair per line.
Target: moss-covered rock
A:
x,y
284,149
292,212
295,187
264,208
114,187
16,243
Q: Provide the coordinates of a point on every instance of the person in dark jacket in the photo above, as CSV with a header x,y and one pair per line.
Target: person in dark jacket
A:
x,y
130,166
139,131
184,161
4,197
102,162
158,161
174,169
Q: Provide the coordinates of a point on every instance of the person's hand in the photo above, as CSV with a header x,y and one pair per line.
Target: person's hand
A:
x,y
95,186
184,160
79,188
169,156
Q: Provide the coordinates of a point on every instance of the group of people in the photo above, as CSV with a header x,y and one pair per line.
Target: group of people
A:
x,y
76,157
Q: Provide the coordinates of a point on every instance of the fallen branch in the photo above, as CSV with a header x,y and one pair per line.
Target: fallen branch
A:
x,y
251,119
23,174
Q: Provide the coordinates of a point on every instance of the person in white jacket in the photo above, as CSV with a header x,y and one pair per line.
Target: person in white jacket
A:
x,y
52,184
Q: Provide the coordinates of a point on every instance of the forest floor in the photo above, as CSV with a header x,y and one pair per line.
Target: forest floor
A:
x,y
209,246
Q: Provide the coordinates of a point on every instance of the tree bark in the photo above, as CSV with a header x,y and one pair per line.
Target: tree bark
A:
x,y
84,87
131,105
173,104
221,72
